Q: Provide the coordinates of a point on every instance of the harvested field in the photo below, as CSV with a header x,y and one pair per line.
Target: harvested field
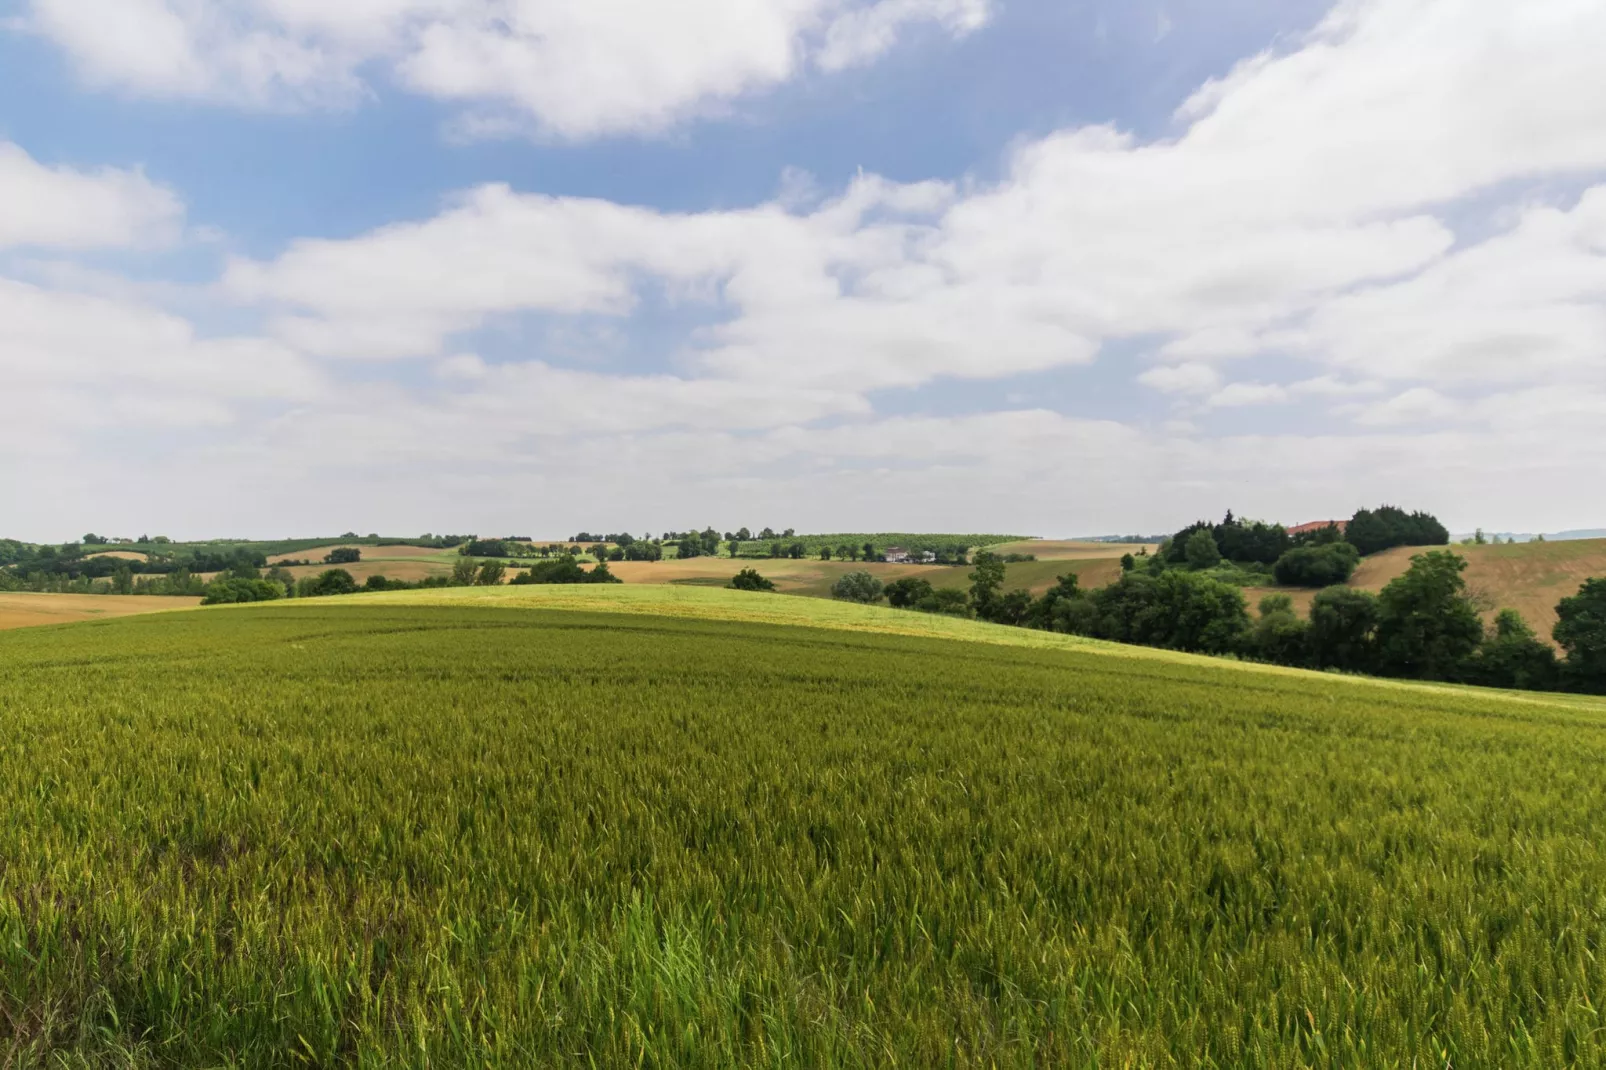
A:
x,y
410,569
1070,549
805,576
1036,576
369,553
120,555
27,610
1529,577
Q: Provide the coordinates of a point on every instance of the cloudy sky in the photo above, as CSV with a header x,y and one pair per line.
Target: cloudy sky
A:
x,y
1047,266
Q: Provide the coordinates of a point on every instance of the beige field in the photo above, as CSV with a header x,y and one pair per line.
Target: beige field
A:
x,y
806,576
412,570
369,553
32,610
1071,550
120,555
1530,577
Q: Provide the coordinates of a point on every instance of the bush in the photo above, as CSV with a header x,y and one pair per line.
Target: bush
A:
x,y
1280,636
1317,566
1176,609
564,569
857,587
1343,624
908,592
1513,657
946,601
227,590
1201,551
748,579
343,555
333,582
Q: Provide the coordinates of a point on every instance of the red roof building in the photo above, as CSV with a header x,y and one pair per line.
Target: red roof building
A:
x,y
1317,525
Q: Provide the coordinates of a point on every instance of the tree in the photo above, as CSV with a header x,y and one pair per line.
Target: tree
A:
x,y
1343,623
857,587
748,579
1317,566
869,552
1202,552
825,553
986,578
1427,626
1514,657
1372,531
1065,608
907,592
343,555
1175,609
1128,562
335,581
776,549
490,574
464,572
1280,637
795,551
92,539
1581,631
947,601
743,535
690,546
227,590
735,547
123,580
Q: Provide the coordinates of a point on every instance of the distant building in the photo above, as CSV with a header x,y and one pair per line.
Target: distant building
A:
x,y
928,558
1317,525
896,555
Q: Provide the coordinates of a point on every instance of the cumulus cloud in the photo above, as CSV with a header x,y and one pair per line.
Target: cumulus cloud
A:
x,y
1353,217
569,69
63,208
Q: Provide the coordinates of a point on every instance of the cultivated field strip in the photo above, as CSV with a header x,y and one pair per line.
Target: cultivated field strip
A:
x,y
438,836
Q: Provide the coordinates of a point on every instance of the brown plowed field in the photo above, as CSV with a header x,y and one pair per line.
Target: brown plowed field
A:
x,y
31,610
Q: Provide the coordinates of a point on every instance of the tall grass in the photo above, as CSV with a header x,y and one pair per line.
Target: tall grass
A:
x,y
392,835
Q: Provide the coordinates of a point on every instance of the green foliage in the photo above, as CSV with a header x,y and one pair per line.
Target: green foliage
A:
x,y
945,601
1240,542
986,580
857,587
908,592
748,579
1372,531
1177,610
1581,631
485,548
565,569
490,574
1321,565
335,581
1343,627
230,590
1514,657
343,555
1280,636
1427,627
1201,551
432,837
465,570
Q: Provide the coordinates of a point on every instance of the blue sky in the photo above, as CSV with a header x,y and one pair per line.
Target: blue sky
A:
x,y
1060,268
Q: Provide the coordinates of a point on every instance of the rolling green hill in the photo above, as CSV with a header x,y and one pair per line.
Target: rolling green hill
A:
x,y
680,827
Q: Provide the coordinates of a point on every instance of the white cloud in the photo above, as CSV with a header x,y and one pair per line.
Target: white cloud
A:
x,y
1182,378
63,208
1417,405
569,69
1305,214
1240,395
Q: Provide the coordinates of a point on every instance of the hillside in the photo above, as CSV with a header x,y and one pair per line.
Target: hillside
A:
x,y
448,828
1530,577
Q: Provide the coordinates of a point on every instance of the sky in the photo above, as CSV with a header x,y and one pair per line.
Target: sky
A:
x,y
1048,267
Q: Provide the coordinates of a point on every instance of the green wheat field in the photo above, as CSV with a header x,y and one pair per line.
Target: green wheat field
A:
x,y
391,834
